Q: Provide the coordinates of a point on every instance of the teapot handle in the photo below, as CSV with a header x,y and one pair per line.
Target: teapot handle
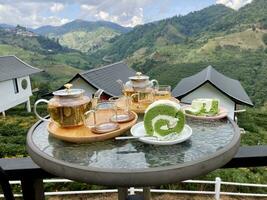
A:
x,y
35,110
155,83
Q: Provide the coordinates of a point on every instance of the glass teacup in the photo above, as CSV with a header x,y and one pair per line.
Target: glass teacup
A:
x,y
123,114
163,92
142,99
100,121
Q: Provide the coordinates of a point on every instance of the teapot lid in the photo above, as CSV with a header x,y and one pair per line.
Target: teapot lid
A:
x,y
69,92
139,76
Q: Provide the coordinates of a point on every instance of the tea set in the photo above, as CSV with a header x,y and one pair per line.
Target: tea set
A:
x,y
71,111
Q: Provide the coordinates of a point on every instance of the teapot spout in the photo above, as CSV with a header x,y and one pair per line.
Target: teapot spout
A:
x,y
120,82
98,93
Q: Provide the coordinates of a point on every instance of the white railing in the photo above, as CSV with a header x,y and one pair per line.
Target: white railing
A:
x,y
217,189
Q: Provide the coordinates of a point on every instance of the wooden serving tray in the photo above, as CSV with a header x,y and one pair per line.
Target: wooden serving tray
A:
x,y
83,134
142,110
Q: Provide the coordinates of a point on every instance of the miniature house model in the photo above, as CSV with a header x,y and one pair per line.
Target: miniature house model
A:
x,y
15,85
103,78
209,83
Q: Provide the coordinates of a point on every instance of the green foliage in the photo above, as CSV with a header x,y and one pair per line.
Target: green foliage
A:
x,y
72,186
13,131
202,21
263,23
264,38
255,124
213,21
38,44
83,35
87,41
242,175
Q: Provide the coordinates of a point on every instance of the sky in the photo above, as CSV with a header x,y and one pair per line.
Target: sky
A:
x,y
36,13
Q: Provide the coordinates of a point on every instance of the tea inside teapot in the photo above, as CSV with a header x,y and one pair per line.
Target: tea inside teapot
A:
x,y
66,113
137,83
67,107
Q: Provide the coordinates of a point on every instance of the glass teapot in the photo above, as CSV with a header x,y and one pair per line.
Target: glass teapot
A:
x,y
137,83
67,108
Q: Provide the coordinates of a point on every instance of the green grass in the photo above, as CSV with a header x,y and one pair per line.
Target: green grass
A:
x,y
87,40
247,39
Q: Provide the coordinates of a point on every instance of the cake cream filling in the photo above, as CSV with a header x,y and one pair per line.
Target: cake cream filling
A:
x,y
172,122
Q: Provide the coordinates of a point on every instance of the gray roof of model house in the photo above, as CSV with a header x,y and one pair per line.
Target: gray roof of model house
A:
x,y
12,67
230,87
105,77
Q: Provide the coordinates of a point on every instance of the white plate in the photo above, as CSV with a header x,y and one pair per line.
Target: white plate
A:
x,y
138,130
222,114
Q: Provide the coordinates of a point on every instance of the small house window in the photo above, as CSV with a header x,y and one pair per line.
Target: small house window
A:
x,y
15,84
24,84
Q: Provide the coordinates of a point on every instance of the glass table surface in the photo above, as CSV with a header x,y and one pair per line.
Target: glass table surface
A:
x,y
207,138
132,163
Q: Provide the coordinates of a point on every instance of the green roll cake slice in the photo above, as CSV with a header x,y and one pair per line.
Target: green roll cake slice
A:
x,y
202,107
164,117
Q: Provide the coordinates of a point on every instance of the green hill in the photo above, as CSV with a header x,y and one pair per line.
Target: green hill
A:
x,y
175,30
197,27
234,42
87,41
78,25
59,63
32,43
244,40
83,35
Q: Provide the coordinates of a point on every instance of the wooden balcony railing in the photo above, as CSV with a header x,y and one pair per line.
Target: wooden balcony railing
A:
x,y
31,175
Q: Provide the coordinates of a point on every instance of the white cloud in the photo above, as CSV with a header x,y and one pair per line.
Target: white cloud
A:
x,y
124,12
57,7
88,7
136,19
28,14
103,15
235,4
34,13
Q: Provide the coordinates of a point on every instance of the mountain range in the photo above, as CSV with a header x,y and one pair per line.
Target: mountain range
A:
x,y
80,25
80,34
199,26
83,35
234,42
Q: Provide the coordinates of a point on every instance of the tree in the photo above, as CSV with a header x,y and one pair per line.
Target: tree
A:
x,y
264,38
253,27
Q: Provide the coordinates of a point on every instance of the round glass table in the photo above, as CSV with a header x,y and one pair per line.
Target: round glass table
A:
x,y
132,163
